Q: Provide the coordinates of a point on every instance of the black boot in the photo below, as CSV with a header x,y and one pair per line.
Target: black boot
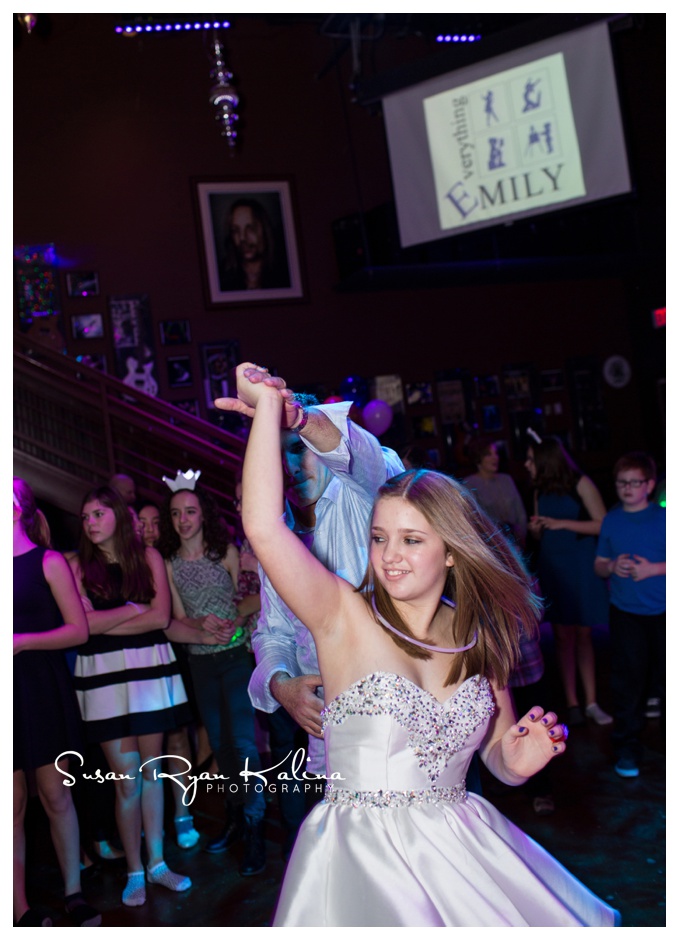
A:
x,y
254,856
233,832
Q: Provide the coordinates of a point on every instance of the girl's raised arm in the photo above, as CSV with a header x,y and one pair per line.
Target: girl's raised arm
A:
x,y
309,590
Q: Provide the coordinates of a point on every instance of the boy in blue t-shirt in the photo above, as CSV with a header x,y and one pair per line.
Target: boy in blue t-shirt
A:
x,y
631,552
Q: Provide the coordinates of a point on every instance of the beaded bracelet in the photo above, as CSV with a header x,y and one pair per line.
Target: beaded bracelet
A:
x,y
303,423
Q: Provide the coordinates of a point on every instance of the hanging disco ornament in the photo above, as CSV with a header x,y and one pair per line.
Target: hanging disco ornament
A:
x,y
223,95
28,21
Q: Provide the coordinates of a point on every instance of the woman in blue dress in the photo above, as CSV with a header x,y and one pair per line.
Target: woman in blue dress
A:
x,y
568,510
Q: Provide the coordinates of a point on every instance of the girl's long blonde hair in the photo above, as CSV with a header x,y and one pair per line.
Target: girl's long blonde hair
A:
x,y
488,582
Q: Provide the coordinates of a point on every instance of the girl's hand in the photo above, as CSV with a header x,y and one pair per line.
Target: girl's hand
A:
x,y
18,641
252,381
225,635
532,742
214,624
547,522
212,639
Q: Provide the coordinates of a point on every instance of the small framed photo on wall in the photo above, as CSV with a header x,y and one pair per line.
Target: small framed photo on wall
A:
x,y
487,386
217,359
175,332
179,372
491,417
88,326
419,393
82,284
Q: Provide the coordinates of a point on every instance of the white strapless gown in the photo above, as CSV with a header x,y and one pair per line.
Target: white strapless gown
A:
x,y
398,843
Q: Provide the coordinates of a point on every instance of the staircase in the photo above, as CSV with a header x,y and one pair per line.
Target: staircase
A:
x,y
74,427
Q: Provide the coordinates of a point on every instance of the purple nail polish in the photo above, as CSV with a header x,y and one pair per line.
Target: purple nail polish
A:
x,y
532,716
521,730
555,748
545,721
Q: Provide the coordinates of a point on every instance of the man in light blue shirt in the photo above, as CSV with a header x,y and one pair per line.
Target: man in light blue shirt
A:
x,y
328,504
333,471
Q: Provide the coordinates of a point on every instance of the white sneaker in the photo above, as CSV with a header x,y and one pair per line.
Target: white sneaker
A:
x,y
187,836
598,714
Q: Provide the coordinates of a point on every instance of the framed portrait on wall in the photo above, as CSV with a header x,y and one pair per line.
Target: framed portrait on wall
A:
x,y
248,241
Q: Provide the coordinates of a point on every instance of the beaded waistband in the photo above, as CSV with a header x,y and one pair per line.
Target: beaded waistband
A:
x,y
385,798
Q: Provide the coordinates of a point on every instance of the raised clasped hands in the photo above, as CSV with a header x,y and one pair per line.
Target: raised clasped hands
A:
x,y
532,742
251,381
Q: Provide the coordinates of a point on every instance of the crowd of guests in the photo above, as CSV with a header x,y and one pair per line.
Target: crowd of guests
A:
x,y
162,645
159,603
593,567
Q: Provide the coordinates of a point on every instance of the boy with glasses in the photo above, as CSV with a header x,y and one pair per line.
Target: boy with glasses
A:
x,y
631,552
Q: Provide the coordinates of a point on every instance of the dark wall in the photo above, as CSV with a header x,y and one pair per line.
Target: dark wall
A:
x,y
109,132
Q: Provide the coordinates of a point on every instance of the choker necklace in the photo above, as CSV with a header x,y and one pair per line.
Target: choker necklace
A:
x,y
424,646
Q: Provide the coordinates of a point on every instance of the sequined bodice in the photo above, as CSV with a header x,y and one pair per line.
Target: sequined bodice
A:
x,y
384,734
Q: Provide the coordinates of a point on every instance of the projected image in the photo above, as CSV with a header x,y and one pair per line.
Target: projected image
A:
x,y
503,144
531,131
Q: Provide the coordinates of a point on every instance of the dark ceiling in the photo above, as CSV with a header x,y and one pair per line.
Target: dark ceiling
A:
x,y
373,26
609,228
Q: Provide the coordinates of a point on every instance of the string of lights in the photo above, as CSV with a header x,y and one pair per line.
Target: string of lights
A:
x,y
131,29
457,38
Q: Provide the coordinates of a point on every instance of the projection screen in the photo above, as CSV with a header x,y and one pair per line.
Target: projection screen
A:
x,y
526,132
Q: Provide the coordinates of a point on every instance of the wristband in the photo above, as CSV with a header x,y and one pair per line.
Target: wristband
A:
x,y
305,417
132,604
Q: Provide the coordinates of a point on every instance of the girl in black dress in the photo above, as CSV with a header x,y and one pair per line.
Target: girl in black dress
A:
x,y
48,618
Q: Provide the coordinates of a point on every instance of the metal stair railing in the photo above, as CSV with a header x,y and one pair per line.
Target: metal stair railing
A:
x,y
74,427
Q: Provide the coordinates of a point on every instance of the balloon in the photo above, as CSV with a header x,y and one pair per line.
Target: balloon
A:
x,y
377,416
354,389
